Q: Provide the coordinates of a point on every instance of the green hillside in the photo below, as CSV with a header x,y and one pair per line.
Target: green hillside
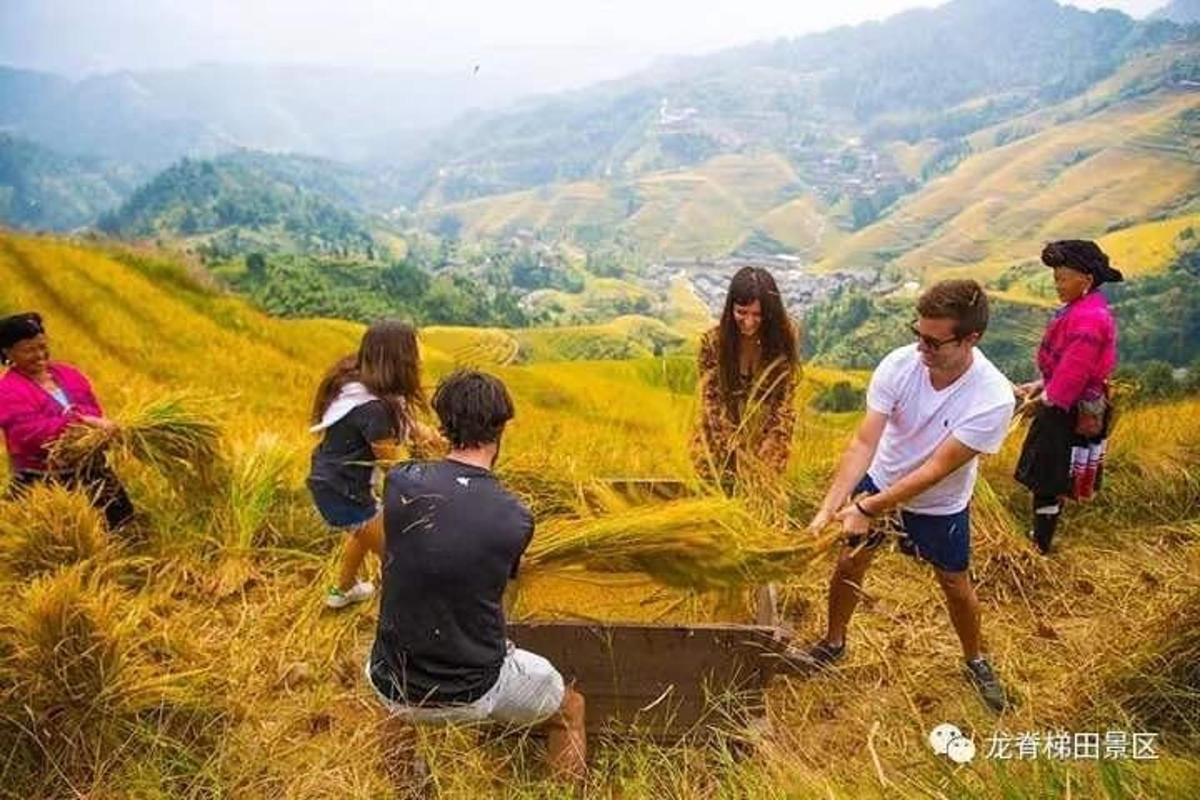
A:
x,y
922,73
706,210
246,202
1119,155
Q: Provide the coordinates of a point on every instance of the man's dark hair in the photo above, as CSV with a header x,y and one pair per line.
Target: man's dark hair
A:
x,y
473,408
963,301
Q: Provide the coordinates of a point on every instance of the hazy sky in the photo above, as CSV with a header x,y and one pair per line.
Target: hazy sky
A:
x,y
553,43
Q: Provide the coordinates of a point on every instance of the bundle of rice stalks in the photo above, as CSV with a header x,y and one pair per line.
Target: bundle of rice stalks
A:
x,y
546,490
167,434
49,527
694,543
75,678
1006,564
257,478
745,461
255,483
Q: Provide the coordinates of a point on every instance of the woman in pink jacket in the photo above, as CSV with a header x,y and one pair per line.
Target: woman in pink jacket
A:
x,y
1063,455
39,399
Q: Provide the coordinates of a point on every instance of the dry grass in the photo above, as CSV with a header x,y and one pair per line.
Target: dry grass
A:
x,y
48,528
78,681
1008,566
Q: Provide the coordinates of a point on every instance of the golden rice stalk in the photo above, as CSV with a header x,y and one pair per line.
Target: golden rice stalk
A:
x,y
49,527
735,464
256,480
543,487
697,543
75,675
426,441
167,434
1006,563
1159,683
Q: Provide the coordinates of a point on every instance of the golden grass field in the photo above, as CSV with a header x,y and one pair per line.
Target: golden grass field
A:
x,y
1069,181
702,211
193,658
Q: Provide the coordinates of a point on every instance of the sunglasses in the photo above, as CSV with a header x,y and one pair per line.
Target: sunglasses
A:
x,y
930,342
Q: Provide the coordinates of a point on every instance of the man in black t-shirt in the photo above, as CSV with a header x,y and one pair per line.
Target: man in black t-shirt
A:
x,y
453,537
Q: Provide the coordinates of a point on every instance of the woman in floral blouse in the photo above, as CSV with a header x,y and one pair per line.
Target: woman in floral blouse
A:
x,y
747,379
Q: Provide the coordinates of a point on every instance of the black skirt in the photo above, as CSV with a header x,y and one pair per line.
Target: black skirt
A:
x,y
1045,465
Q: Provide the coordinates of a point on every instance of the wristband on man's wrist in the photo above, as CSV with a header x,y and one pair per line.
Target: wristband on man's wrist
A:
x,y
863,511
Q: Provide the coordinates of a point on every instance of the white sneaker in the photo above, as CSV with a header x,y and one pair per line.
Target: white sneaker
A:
x,y
336,598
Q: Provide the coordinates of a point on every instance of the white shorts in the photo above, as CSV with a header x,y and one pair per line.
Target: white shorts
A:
x,y
528,690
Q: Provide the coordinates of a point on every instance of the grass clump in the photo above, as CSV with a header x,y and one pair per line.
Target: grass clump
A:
x,y
76,678
49,527
255,484
1160,687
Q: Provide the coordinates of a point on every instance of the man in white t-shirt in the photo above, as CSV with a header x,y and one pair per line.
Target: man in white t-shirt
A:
x,y
932,408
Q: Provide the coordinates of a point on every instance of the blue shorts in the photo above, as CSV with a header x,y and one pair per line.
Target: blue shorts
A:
x,y
943,540
339,511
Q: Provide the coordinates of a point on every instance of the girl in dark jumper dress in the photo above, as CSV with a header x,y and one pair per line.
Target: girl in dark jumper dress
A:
x,y
364,409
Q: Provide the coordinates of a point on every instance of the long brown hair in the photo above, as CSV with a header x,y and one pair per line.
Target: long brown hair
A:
x,y
777,334
388,363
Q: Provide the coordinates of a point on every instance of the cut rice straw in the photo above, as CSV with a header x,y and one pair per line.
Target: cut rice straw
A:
x,y
697,543
166,434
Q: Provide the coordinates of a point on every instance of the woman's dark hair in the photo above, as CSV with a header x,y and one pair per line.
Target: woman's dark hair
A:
x,y
17,328
473,408
777,334
388,363
1082,255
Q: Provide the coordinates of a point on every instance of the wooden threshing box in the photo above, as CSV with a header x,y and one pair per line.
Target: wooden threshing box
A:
x,y
659,680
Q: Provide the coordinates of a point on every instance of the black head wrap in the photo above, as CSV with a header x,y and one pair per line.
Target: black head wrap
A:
x,y
18,328
1083,256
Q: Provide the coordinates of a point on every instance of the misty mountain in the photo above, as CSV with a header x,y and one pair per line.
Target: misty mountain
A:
x,y
156,117
1181,12
927,73
833,106
43,189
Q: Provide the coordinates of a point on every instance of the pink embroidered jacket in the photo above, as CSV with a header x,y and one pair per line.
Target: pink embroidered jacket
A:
x,y
32,419
1078,351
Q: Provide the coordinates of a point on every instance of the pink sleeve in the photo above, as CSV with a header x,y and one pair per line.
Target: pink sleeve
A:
x,y
28,429
31,433
1083,349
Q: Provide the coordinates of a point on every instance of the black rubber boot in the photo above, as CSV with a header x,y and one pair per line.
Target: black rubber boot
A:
x,y
1046,511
